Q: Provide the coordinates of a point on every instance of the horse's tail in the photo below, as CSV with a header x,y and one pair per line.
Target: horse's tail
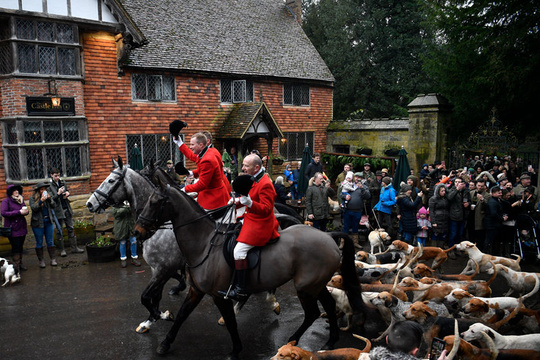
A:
x,y
351,284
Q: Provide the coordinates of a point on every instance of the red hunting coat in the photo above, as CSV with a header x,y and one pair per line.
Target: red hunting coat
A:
x,y
212,150
260,224
212,191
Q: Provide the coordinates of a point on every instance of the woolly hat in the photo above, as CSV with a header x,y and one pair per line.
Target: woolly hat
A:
x,y
405,187
349,175
12,188
176,126
378,173
242,184
412,177
169,162
501,177
386,180
422,211
524,176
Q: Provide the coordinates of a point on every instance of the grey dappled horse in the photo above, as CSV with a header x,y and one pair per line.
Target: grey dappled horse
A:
x,y
306,255
123,184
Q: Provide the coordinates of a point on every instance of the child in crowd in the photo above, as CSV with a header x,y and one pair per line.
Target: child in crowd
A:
x,y
347,186
424,225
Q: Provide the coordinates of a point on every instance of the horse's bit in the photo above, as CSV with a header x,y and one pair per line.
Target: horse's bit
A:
x,y
108,200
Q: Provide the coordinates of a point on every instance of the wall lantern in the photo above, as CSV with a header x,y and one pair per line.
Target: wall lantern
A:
x,y
53,92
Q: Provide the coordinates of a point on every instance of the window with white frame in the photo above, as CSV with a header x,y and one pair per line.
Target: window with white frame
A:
x,y
153,87
38,47
296,95
154,147
33,147
292,144
236,91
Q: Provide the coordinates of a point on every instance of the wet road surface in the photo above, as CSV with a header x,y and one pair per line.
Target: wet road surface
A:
x,y
82,310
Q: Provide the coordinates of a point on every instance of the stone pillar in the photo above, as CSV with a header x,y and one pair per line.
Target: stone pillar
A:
x,y
429,117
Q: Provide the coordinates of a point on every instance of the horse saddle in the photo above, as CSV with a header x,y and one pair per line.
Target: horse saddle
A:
x,y
254,254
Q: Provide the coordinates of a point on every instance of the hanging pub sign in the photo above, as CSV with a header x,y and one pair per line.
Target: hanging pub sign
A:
x,y
50,106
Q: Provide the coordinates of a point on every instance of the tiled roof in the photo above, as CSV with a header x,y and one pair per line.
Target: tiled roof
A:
x,y
241,117
244,37
369,124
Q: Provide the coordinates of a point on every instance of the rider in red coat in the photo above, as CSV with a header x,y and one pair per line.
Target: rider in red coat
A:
x,y
212,191
260,224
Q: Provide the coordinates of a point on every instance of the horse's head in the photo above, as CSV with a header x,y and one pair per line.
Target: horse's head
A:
x,y
156,175
112,191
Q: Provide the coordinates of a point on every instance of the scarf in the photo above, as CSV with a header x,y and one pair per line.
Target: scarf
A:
x,y
19,199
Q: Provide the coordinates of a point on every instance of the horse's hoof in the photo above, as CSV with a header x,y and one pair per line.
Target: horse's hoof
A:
x,y
277,309
163,349
142,329
221,321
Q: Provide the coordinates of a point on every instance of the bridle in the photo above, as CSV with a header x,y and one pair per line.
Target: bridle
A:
x,y
107,197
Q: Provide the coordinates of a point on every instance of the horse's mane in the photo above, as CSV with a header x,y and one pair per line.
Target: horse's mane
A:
x,y
162,177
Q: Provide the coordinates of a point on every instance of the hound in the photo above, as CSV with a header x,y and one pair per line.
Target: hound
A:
x,y
529,341
484,259
518,281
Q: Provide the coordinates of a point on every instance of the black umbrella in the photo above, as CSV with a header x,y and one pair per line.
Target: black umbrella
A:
x,y
302,181
403,170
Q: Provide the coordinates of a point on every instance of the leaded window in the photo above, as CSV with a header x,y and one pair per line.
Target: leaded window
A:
x,y
152,87
296,95
33,147
39,47
236,91
154,147
292,144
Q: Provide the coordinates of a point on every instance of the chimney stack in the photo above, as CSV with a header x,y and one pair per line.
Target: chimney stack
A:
x,y
295,6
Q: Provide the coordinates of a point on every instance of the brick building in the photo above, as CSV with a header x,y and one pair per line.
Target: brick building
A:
x,y
83,81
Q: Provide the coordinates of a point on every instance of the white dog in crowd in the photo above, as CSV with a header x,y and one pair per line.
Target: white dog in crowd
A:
x,y
8,273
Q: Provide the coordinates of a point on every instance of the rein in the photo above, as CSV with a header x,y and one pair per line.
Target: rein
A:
x,y
165,198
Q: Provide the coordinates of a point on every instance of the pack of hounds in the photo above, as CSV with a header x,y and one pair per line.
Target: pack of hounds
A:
x,y
454,307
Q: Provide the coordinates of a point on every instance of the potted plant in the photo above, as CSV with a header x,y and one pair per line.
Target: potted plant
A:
x,y
102,249
84,229
277,160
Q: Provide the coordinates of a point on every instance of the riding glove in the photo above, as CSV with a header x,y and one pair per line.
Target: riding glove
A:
x,y
246,200
178,141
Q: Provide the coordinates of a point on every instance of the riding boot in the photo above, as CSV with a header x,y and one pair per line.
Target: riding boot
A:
x,y
61,246
17,263
238,292
52,255
74,248
39,253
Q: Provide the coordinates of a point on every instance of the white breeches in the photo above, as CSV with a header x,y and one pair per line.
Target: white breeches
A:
x,y
241,250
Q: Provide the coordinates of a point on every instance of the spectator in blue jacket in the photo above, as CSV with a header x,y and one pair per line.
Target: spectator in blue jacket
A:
x,y
387,200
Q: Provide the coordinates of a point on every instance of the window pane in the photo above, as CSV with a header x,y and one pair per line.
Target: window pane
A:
x,y
34,164
25,29
45,31
32,131
54,159
64,34
71,130
297,96
73,161
66,61
168,88
11,133
226,94
154,87
239,89
249,91
138,86
27,58
47,60
52,132
148,148
305,95
14,170
287,94
6,59
164,148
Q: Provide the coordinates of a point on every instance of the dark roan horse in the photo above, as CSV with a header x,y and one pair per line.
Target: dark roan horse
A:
x,y
306,255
